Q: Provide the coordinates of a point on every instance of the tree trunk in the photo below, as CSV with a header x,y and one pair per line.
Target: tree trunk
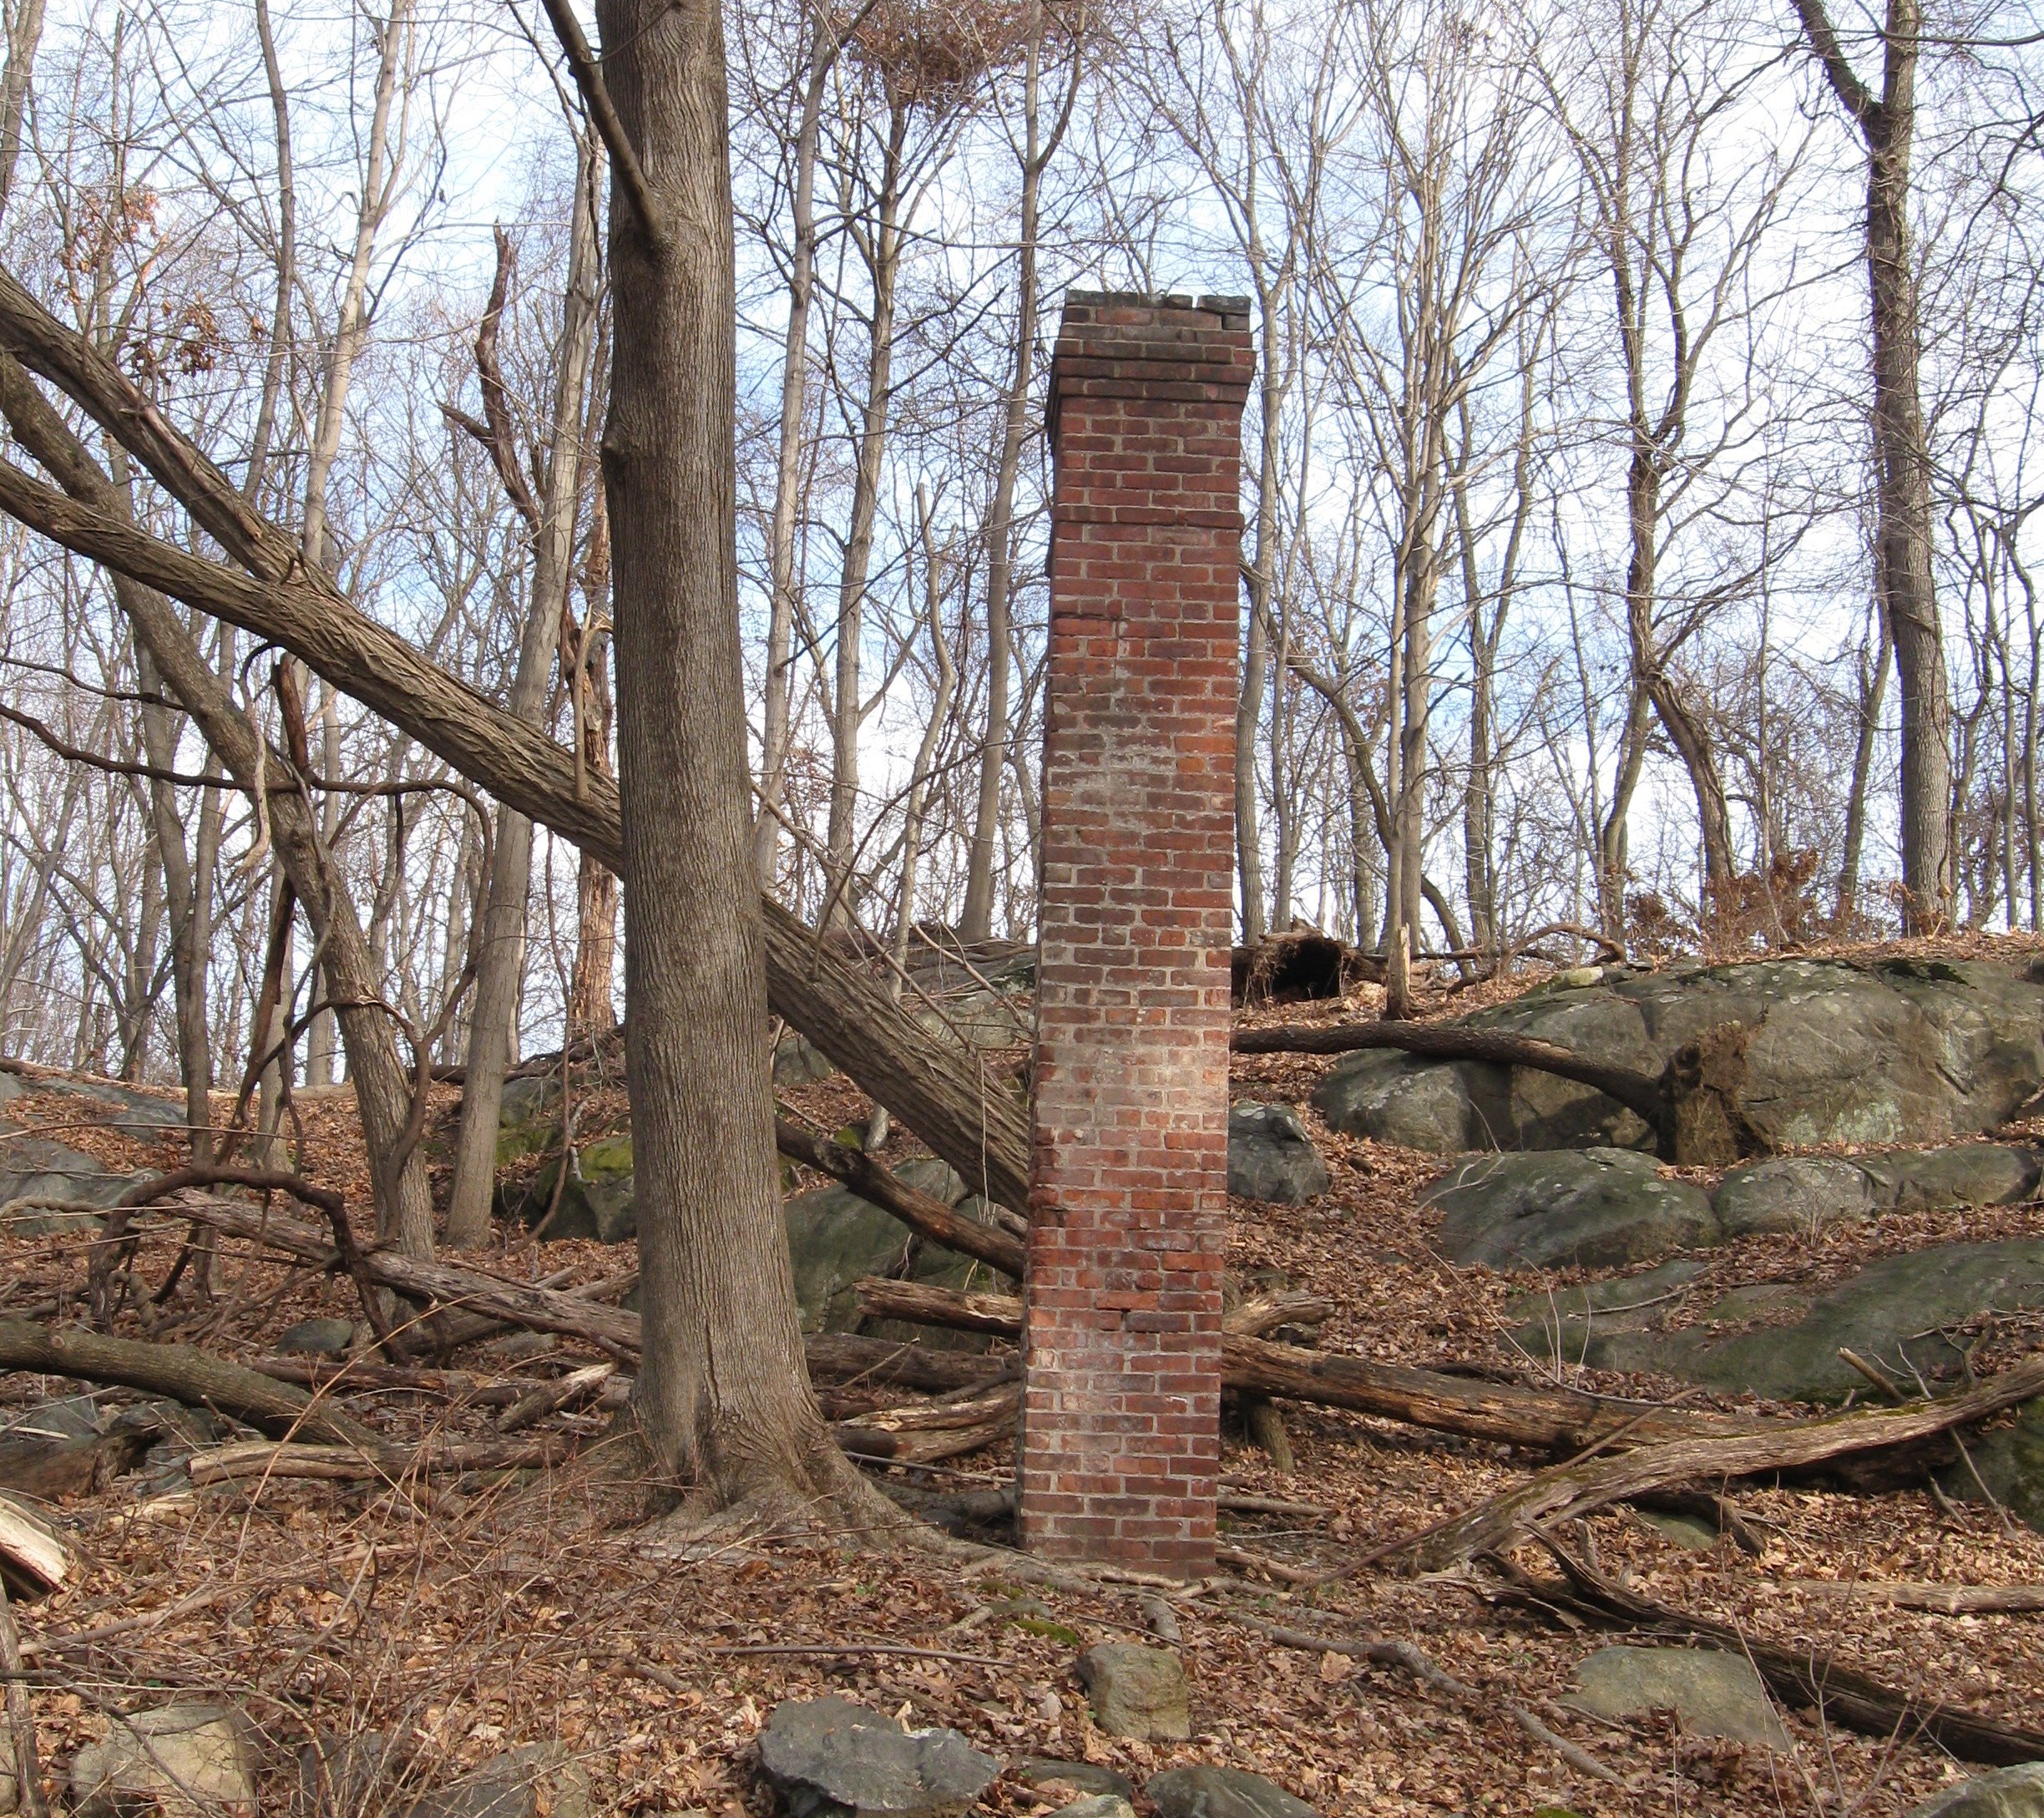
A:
x,y
847,708
723,1399
976,922
776,708
1887,123
552,527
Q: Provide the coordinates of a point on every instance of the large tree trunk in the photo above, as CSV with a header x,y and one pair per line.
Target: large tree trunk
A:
x,y
936,1087
723,1399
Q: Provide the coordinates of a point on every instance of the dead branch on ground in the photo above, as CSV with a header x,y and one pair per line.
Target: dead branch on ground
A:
x,y
1571,1490
1800,1677
194,1377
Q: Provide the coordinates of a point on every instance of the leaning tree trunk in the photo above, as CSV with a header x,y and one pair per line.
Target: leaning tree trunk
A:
x,y
383,1090
723,1397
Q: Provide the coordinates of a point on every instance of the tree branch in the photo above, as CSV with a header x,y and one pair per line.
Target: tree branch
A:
x,y
596,98
1857,98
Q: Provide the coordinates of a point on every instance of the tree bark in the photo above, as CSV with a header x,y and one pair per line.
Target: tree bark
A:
x,y
723,1398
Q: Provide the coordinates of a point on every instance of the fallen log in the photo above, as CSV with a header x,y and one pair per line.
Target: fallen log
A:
x,y
543,1309
851,1357
1572,1490
1798,1676
51,1469
1550,1420
936,1087
194,1377
577,1386
352,1464
571,1314
1937,1599
932,1430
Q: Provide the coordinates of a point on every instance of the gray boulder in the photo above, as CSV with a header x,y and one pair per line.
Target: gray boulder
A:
x,y
1802,1194
798,1061
1839,1052
2010,1465
1908,1312
1799,1194
1096,1805
1714,1694
1207,1792
1272,1157
317,1338
2016,1792
828,1758
1137,1692
1590,1208
182,1760
35,1167
540,1780
834,1237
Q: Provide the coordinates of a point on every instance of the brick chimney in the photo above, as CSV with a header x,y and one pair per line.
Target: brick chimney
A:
x,y
1128,1199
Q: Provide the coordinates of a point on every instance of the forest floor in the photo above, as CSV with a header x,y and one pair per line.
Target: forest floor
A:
x,y
460,1618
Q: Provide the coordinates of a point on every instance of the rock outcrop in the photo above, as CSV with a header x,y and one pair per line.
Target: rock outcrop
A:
x,y
1895,1050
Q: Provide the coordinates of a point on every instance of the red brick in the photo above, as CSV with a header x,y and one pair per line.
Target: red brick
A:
x,y
1121,1444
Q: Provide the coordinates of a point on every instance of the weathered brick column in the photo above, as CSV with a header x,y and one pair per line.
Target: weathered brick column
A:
x,y
1128,1200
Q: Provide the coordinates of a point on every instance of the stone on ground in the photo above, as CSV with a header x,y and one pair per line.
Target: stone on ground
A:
x,y
1205,1792
318,1337
2016,1792
339,1776
828,1758
540,1780
1271,1157
1568,1207
1714,1693
1137,1692
1897,1050
1097,1805
181,1759
1073,1780
2010,1462
1797,1194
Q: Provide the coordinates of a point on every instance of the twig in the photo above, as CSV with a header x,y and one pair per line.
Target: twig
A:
x,y
21,1718
1408,1657
891,1648
1873,1372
